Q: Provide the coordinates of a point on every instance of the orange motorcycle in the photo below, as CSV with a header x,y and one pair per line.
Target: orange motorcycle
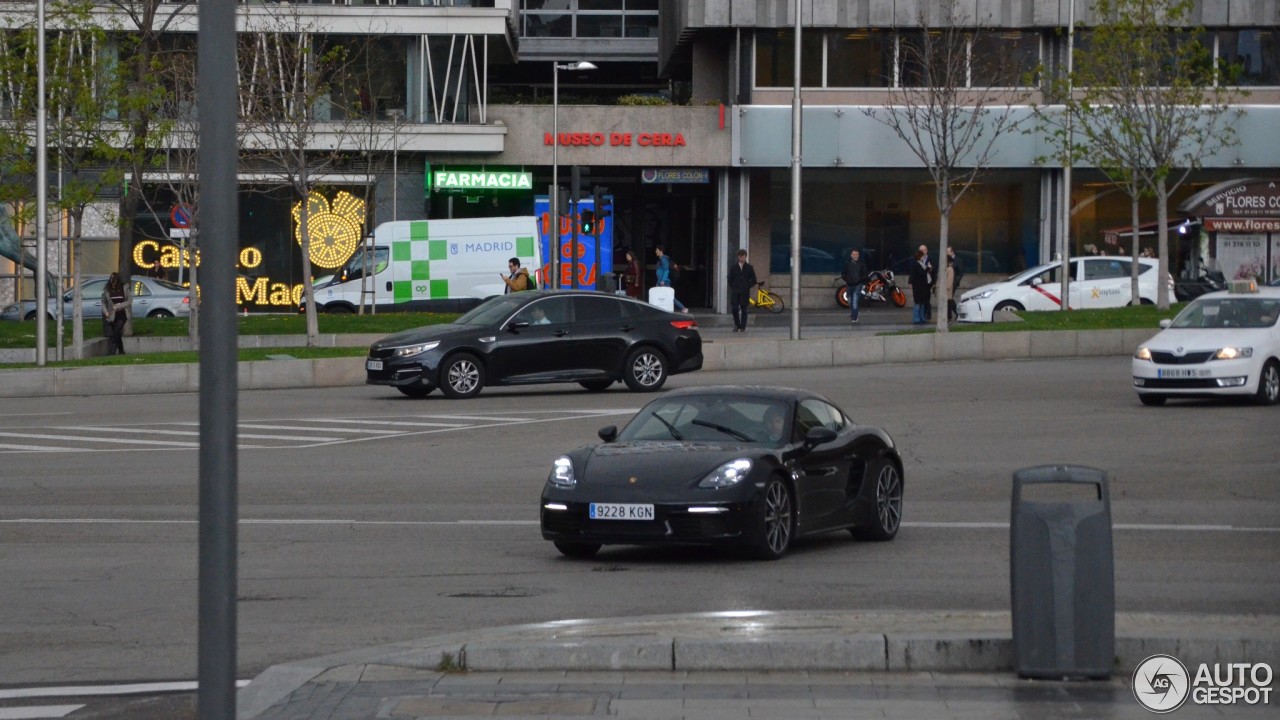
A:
x,y
879,287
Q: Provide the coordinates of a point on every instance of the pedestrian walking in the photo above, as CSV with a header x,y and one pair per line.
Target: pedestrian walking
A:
x,y
116,302
633,278
518,281
855,274
663,273
920,280
742,279
954,273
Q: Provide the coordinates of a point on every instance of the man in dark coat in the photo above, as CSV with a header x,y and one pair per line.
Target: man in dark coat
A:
x,y
854,275
921,279
742,279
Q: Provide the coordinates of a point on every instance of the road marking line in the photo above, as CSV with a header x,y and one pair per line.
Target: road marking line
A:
x,y
299,428
469,417
104,690
37,712
42,448
388,422
100,439
189,433
352,521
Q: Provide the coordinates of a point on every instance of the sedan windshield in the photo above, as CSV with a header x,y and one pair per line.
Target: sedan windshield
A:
x,y
494,311
1229,312
715,418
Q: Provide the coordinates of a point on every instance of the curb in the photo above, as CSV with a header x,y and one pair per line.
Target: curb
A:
x,y
719,354
764,642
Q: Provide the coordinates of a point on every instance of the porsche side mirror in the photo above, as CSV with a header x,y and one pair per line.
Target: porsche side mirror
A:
x,y
608,433
818,436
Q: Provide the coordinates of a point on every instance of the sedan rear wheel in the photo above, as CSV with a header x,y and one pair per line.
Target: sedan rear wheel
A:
x,y
160,313
1269,384
887,516
461,377
577,550
778,523
645,370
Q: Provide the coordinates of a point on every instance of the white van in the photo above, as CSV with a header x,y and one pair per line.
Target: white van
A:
x,y
437,265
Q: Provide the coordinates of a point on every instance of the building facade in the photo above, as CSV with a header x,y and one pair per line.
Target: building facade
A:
x,y
686,120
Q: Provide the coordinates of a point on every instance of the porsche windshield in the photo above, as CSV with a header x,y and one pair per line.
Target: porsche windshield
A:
x,y
713,418
1229,312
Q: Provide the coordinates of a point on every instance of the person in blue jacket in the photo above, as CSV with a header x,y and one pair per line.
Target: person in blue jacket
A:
x,y
664,276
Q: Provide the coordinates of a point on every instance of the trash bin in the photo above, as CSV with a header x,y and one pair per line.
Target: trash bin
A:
x,y
1062,573
663,297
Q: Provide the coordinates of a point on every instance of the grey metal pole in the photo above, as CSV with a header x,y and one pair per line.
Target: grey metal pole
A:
x,y
216,673
42,201
795,185
1066,169
553,233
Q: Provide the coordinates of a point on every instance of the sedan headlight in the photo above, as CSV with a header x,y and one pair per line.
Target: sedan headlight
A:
x,y
562,472
1144,353
727,475
979,296
408,350
1233,353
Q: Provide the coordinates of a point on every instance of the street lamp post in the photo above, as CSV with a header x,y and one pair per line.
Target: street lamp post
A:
x,y
396,115
553,232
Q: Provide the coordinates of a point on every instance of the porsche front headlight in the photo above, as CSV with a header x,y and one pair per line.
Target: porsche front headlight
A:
x,y
727,475
409,350
562,472
1233,353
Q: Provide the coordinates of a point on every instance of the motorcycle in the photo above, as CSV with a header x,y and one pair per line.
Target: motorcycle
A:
x,y
1188,289
879,287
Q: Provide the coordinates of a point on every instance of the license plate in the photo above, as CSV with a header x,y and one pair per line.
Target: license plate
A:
x,y
620,511
1183,372
373,365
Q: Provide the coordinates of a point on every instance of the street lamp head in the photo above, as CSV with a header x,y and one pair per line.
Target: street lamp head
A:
x,y
580,65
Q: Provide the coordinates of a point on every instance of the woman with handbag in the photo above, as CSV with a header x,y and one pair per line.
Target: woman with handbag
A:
x,y
115,305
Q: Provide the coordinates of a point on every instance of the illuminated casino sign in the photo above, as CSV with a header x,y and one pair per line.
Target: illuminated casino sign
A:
x,y
333,229
482,180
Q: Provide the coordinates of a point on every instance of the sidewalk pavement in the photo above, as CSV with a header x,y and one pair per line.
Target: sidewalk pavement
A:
x,y
713,666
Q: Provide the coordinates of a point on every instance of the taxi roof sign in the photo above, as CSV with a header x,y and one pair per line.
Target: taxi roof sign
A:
x,y
1242,286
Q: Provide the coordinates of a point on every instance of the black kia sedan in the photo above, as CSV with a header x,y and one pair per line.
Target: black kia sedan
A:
x,y
745,466
540,336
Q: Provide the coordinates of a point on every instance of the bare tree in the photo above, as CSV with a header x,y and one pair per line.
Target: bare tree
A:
x,y
181,170
17,134
1151,106
288,70
949,106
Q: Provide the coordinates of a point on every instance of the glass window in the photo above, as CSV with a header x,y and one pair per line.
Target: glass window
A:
x,y
140,289
1004,59
642,5
775,56
1106,269
551,311
641,26
548,24
599,4
811,414
1255,54
601,26
1048,276
859,58
592,308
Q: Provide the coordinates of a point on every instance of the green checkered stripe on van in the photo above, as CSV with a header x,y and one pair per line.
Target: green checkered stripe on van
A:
x,y
412,260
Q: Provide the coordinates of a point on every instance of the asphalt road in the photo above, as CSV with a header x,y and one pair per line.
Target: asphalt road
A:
x,y
370,518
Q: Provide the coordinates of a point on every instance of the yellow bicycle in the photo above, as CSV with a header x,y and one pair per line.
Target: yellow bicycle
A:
x,y
765,300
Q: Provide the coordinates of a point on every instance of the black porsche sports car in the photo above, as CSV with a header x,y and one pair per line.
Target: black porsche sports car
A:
x,y
540,336
750,466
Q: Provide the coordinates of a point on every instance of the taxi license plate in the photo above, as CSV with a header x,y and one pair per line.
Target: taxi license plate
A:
x,y
620,511
1183,372
373,365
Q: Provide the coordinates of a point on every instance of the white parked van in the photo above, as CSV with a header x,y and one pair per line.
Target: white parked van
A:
x,y
440,265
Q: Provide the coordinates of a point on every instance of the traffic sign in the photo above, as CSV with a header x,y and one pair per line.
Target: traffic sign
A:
x,y
180,215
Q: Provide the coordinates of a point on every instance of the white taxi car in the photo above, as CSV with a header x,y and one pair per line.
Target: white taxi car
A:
x,y
1223,343
1096,282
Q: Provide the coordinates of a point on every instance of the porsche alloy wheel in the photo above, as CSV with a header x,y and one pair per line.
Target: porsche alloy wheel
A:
x,y
645,370
778,522
461,377
886,515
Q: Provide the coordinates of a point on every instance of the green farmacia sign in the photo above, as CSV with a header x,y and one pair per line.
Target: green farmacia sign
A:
x,y
482,180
